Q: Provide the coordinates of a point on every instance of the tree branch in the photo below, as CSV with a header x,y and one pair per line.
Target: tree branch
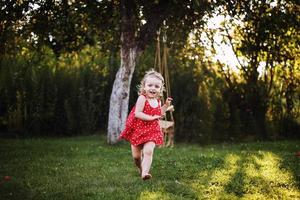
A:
x,y
159,13
128,21
233,49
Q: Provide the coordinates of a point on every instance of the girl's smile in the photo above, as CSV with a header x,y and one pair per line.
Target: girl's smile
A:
x,y
153,87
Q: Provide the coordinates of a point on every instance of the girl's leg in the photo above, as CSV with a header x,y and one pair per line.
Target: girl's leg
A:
x,y
147,159
137,156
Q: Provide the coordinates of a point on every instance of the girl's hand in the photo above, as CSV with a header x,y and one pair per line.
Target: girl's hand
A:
x,y
168,101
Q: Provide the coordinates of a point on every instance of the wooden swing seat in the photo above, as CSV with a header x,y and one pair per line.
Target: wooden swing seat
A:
x,y
167,127
164,124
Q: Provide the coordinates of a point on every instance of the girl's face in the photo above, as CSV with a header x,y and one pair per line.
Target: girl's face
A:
x,y
152,87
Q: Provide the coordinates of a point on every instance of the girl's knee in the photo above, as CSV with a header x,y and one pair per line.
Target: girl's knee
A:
x,y
149,148
148,152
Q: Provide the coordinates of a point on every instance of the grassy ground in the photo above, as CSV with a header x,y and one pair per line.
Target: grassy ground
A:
x,y
87,168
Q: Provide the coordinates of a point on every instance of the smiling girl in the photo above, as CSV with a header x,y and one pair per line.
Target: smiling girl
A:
x,y
142,127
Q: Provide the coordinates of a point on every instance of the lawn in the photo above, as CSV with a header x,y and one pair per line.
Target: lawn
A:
x,y
88,168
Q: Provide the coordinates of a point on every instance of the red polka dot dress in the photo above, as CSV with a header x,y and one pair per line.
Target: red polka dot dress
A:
x,y
138,131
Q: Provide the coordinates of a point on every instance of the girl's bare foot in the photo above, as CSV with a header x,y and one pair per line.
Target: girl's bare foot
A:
x,y
146,176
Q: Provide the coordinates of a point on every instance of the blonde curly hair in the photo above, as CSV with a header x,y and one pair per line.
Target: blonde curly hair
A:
x,y
151,73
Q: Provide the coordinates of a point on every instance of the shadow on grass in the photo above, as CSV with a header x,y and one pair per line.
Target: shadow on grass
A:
x,y
88,168
214,173
255,173
233,172
286,154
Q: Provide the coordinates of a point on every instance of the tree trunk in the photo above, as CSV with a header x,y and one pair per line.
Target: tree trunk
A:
x,y
118,108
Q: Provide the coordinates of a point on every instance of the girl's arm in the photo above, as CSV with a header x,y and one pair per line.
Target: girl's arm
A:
x,y
139,107
167,106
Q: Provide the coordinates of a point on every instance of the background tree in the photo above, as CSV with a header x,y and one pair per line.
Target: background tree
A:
x,y
264,41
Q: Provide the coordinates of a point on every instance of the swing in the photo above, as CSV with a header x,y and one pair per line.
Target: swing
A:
x,y
167,124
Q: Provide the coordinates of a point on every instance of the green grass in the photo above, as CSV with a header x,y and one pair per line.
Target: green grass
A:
x,y
87,168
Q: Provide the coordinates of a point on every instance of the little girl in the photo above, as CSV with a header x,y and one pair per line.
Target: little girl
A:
x,y
142,127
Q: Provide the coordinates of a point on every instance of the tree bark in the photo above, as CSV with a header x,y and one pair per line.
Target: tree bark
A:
x,y
118,108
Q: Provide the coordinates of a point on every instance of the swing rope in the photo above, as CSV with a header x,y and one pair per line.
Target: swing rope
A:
x,y
160,62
